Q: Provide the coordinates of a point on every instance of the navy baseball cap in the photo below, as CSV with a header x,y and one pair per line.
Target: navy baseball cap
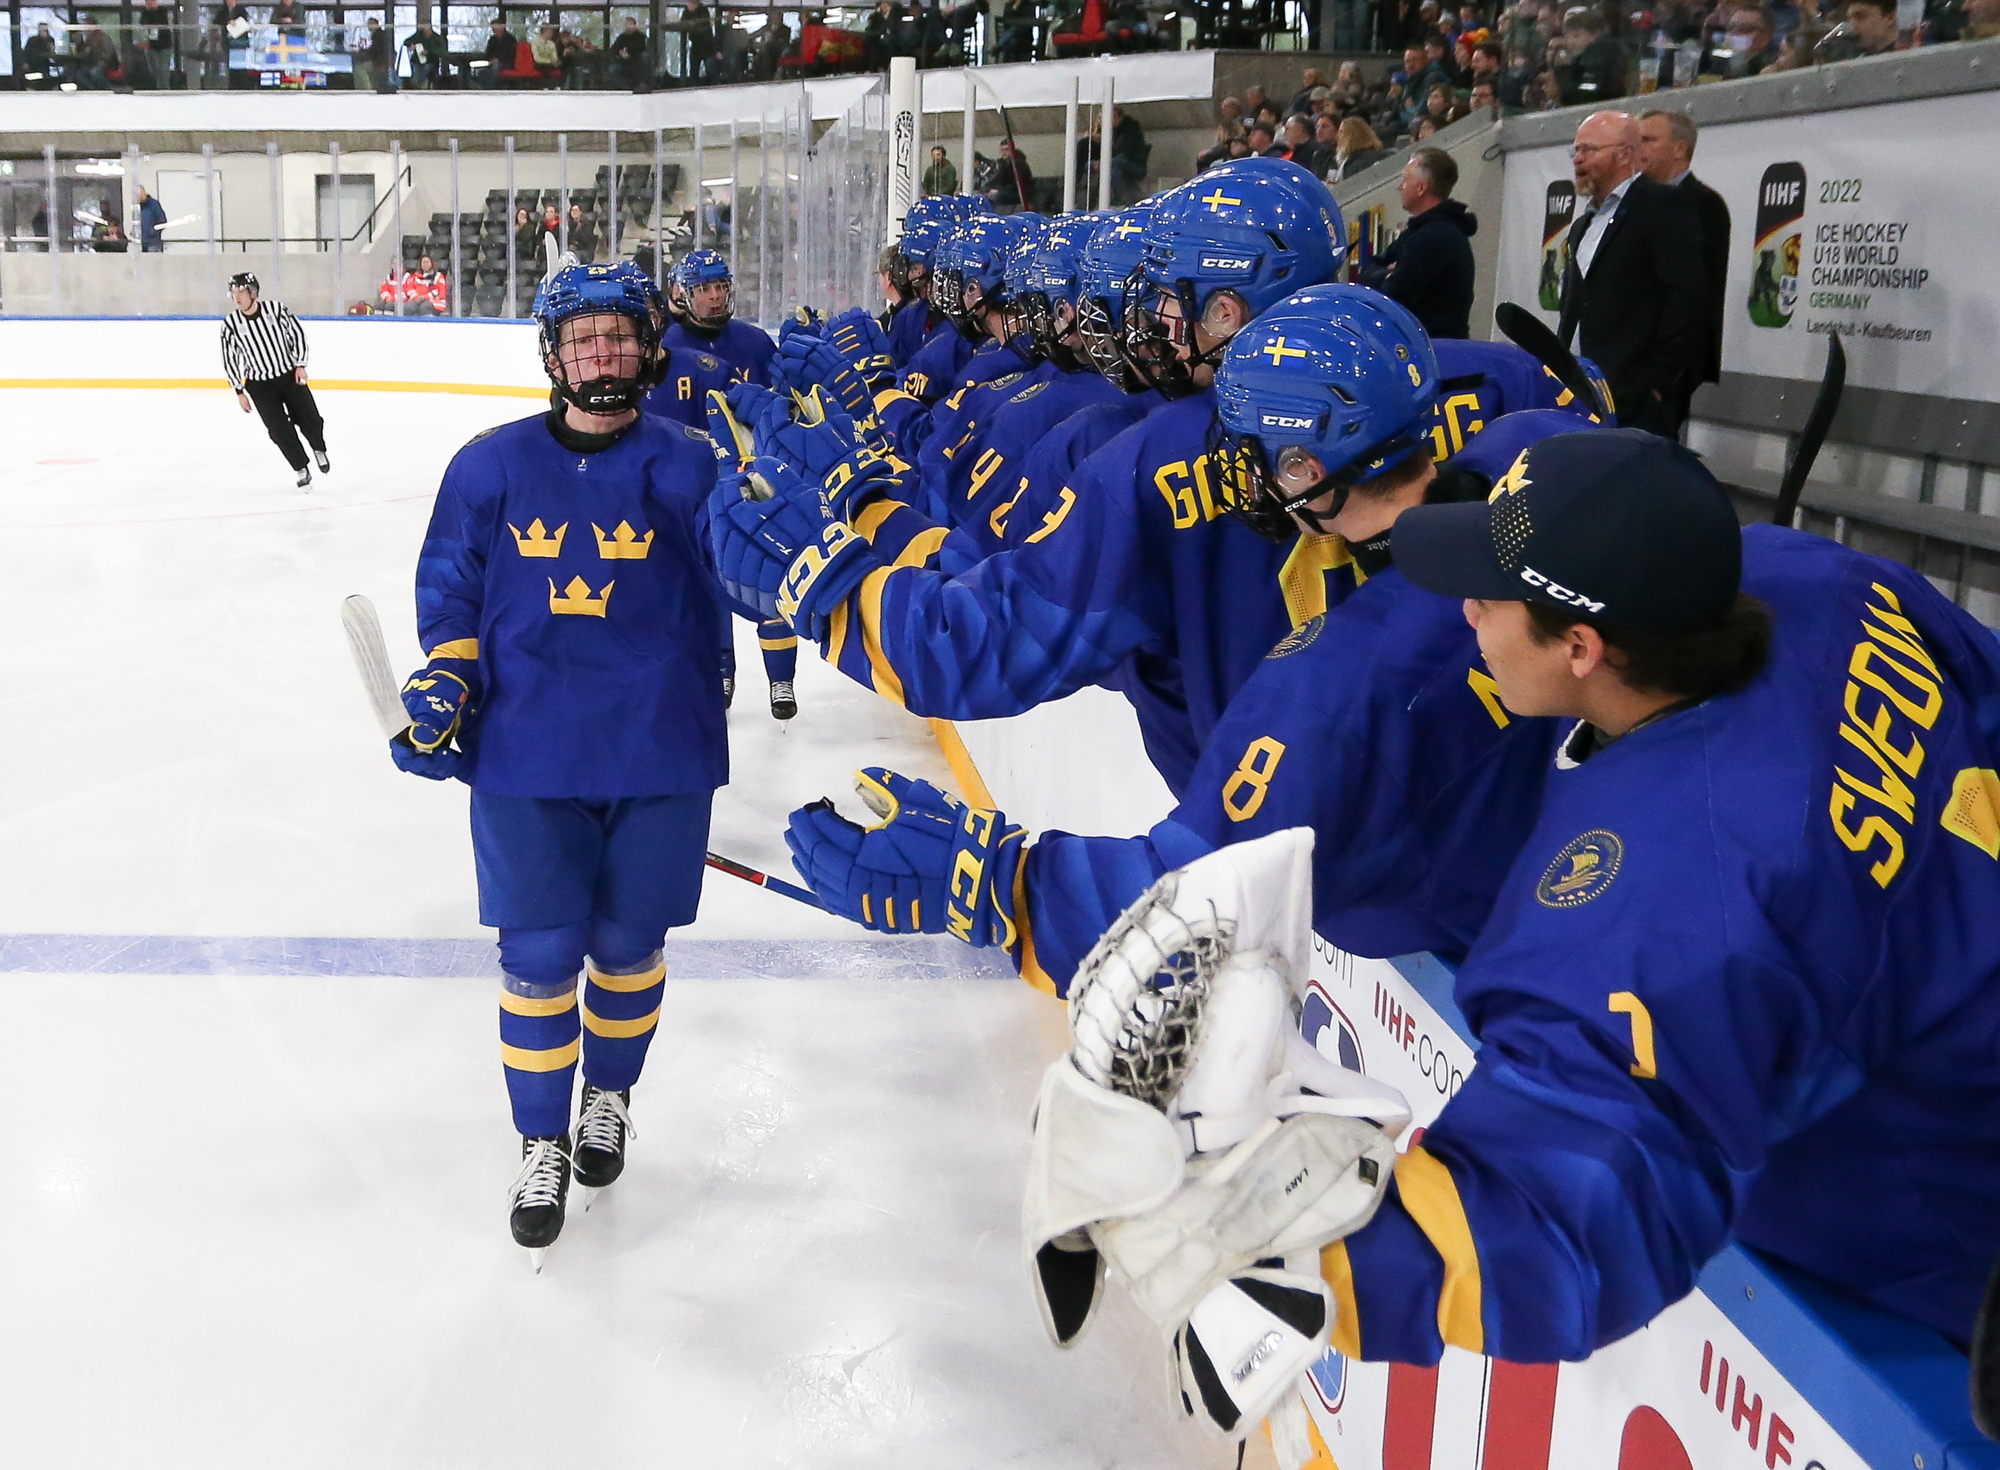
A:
x,y
1615,524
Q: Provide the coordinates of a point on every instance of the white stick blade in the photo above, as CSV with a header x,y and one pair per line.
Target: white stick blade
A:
x,y
371,660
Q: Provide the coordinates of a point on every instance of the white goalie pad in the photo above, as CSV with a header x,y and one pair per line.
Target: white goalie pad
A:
x,y
1245,1345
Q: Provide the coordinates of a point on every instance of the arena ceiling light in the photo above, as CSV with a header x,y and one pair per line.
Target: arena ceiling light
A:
x,y
100,168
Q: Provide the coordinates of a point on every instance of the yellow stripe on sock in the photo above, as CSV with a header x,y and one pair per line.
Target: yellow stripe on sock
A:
x,y
533,1005
597,1025
554,1060
627,984
1430,1194
1339,1273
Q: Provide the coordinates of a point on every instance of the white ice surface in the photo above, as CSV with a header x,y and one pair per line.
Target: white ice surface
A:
x,y
259,1220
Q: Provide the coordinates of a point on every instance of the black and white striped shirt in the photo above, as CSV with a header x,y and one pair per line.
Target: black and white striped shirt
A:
x,y
268,345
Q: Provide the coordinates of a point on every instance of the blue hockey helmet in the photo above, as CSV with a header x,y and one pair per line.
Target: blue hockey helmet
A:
x,y
969,271
696,269
908,260
1331,387
1103,273
1253,229
1043,275
595,379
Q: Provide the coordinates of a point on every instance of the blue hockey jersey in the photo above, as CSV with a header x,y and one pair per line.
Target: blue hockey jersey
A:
x,y
682,395
937,366
1742,983
746,350
910,326
582,585
1045,473
986,473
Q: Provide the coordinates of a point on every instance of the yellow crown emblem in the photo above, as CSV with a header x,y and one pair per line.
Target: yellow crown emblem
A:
x,y
576,600
538,542
623,544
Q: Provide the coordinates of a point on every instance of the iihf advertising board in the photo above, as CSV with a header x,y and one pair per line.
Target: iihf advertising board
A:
x,y
1875,222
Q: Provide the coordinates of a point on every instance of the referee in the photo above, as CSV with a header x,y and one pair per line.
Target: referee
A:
x,y
264,354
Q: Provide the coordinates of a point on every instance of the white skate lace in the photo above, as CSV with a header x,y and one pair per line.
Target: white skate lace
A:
x,y
541,1177
781,689
598,1127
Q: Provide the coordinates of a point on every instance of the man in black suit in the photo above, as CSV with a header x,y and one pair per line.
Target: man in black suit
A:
x,y
1634,295
1666,156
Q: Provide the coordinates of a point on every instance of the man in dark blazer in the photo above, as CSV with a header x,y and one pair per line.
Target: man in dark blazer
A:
x,y
1634,295
1666,156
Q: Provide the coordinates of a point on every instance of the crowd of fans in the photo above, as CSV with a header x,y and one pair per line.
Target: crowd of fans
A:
x,y
1537,55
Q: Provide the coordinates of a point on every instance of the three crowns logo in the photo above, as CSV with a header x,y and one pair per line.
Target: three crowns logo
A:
x,y
538,542
576,600
623,544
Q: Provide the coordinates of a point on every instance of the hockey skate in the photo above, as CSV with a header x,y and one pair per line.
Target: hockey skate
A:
x,y
784,704
320,459
601,1130
539,1194
728,690
305,479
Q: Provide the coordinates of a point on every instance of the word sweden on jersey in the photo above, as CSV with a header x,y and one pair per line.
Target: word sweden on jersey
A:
x,y
1890,659
1581,871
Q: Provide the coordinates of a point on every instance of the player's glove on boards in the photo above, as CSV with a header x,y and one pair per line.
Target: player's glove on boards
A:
x,y
932,865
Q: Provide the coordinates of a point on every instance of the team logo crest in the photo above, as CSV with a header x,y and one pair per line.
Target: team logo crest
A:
x,y
1581,871
1558,210
1328,1031
1299,638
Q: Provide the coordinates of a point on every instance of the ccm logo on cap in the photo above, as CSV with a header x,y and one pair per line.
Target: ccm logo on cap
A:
x,y
1283,421
1559,592
1227,262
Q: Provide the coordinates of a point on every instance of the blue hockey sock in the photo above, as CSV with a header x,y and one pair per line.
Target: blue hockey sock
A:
x,y
620,1013
538,1050
781,650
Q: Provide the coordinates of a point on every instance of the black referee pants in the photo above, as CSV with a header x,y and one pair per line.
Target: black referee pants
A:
x,y
286,406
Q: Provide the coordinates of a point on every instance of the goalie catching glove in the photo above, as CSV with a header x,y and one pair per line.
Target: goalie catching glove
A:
x,y
1191,1140
931,865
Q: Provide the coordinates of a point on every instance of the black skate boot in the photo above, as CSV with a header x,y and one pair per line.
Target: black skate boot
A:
x,y
784,704
305,479
539,1194
728,690
601,1129
320,459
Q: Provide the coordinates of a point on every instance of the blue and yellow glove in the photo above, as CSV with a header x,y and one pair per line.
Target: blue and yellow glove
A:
x,y
781,555
932,865
811,435
806,319
437,699
862,475
849,377
861,342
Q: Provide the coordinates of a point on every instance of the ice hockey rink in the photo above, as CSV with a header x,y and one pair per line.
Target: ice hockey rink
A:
x,y
260,1216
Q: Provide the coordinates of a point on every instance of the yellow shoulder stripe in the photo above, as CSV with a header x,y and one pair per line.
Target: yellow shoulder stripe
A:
x,y
869,603
922,547
872,515
1430,1194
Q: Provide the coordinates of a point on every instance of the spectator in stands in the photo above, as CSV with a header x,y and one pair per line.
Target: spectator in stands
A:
x,y
1230,110
1982,20
91,58
1299,146
527,236
378,57
152,219
1438,60
1597,65
1483,98
1129,154
550,244
1486,65
1258,136
698,25
1666,156
1426,127
940,177
631,52
1428,267
1017,31
879,35
426,291
1869,29
1359,148
1442,106
1634,292
773,41
579,60
38,58
1326,138
1013,182
286,16
546,50
1749,45
111,239
1302,99
1226,132
582,235
1254,100
427,53
501,47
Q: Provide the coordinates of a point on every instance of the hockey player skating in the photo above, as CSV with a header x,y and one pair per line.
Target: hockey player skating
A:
x,y
572,623
1744,959
1374,724
264,357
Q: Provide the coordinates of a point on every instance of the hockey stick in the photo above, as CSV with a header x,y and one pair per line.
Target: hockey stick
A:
x,y
371,658
1532,335
1814,433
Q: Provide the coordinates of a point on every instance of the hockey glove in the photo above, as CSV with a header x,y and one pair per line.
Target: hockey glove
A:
x,y
729,429
811,436
859,338
862,475
437,698
776,551
805,320
439,765
932,865
805,363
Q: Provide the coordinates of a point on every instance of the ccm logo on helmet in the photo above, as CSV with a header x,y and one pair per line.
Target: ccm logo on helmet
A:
x,y
1559,592
1283,421
1228,262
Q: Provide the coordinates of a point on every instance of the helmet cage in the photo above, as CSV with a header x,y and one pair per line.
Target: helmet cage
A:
x,y
712,323
605,394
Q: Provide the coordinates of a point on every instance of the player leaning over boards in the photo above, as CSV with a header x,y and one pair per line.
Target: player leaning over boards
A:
x,y
1375,724
570,613
264,356
1742,982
